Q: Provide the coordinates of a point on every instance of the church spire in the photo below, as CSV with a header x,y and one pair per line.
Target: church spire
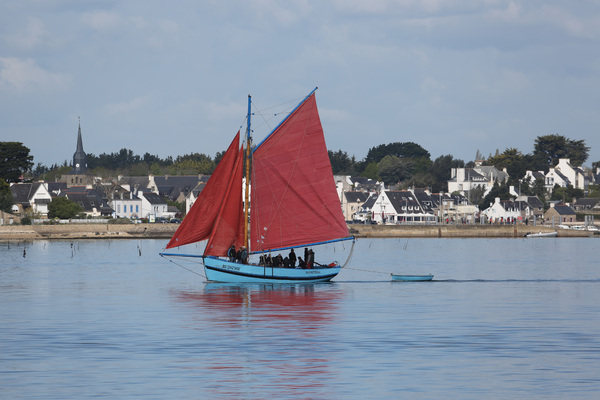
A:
x,y
79,158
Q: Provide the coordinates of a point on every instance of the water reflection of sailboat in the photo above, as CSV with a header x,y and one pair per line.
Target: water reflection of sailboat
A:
x,y
306,304
258,336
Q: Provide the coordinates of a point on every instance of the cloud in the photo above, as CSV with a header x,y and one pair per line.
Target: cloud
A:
x,y
127,107
25,75
33,35
101,20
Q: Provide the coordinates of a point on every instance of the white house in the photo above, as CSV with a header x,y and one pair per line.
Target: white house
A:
x,y
501,211
153,206
465,179
532,176
399,207
31,196
555,177
575,175
127,205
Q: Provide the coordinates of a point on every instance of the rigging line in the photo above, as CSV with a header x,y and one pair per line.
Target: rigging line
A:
x,y
192,271
272,116
350,254
367,270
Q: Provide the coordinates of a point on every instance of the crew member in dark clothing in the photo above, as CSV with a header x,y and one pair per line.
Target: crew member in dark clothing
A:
x,y
292,258
301,263
310,260
244,255
231,253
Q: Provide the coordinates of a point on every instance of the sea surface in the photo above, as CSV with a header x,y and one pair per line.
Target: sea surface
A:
x,y
502,319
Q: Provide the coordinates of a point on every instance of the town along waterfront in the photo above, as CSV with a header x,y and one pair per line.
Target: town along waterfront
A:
x,y
503,318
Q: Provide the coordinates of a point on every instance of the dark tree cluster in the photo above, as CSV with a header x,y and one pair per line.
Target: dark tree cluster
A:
x,y
14,161
403,164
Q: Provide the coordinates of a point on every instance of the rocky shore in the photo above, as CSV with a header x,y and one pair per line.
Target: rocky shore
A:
x,y
165,231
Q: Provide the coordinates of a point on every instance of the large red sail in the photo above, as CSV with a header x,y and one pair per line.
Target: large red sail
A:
x,y
294,198
229,225
198,223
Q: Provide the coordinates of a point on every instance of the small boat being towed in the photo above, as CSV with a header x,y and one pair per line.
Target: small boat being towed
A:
x,y
411,278
541,234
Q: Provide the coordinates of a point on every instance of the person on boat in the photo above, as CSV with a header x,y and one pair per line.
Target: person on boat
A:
x,y
231,253
292,257
279,260
310,260
244,255
301,263
286,262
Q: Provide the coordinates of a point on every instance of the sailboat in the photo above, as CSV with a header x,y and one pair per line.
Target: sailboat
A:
x,y
293,204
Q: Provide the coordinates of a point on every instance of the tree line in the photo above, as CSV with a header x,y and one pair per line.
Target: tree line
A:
x,y
399,165
125,162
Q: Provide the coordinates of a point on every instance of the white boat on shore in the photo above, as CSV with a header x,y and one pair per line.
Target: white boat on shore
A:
x,y
541,234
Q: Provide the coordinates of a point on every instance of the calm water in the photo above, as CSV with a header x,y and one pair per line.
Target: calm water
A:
x,y
504,318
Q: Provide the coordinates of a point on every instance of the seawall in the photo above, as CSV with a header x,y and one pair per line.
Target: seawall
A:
x,y
457,231
165,231
87,231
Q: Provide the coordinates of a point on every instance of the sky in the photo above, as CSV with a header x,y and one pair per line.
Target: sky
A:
x,y
173,78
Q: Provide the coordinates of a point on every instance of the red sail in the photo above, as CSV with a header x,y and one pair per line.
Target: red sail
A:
x,y
229,225
294,198
199,221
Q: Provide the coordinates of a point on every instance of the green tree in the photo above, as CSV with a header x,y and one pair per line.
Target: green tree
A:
x,y
400,150
139,169
371,171
550,148
63,208
14,160
566,194
56,172
513,160
6,200
194,163
341,163
441,170
475,195
500,191
594,191
421,180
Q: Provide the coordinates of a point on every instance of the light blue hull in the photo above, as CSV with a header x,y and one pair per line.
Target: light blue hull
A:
x,y
412,278
219,270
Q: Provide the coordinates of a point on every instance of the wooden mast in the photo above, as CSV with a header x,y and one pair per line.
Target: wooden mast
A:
x,y
248,159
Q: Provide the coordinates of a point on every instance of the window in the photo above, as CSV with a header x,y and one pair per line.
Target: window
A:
x,y
137,208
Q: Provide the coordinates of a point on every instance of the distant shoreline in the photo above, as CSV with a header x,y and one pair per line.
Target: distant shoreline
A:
x,y
165,231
